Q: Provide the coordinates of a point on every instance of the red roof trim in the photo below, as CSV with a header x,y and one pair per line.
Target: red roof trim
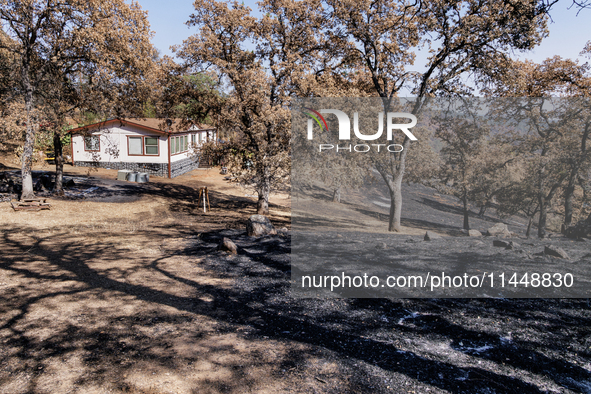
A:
x,y
122,121
91,125
146,127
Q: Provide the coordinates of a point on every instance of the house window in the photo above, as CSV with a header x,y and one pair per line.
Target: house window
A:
x,y
151,145
92,143
179,144
135,145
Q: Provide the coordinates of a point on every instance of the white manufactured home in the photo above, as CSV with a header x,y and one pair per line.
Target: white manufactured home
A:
x,y
161,147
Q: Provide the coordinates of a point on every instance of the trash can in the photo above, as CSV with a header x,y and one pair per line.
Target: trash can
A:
x,y
132,177
143,177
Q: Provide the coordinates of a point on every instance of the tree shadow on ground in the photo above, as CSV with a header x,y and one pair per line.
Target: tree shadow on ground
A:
x,y
456,210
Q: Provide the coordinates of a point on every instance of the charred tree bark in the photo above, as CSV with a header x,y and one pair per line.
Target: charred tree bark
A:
x,y
59,164
466,213
543,216
569,194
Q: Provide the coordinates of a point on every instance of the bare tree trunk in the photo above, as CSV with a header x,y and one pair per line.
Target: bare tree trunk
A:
x,y
397,173
59,164
482,210
27,156
395,188
569,194
263,201
392,216
542,218
568,206
336,195
466,213
530,221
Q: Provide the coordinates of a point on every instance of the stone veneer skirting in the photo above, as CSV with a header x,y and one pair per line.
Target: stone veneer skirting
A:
x,y
183,166
157,169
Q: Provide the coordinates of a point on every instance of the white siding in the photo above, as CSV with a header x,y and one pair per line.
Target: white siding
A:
x,y
113,145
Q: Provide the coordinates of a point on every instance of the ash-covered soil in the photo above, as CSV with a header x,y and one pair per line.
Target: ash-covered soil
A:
x,y
367,210
75,187
406,345
457,266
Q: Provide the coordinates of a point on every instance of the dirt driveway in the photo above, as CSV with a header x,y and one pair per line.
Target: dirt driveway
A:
x,y
127,293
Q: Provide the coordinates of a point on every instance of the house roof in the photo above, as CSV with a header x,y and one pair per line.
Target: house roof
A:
x,y
159,125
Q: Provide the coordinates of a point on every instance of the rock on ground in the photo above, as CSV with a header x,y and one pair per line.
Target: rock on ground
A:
x,y
474,233
498,230
499,243
555,251
259,225
429,236
228,246
505,244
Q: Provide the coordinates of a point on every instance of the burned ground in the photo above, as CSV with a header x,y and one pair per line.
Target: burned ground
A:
x,y
132,295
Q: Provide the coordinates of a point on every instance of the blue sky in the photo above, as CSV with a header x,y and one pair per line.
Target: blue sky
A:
x,y
567,34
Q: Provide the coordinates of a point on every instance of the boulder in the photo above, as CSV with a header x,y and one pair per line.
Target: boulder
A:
x,y
228,246
498,230
501,244
430,236
474,233
505,244
555,251
259,225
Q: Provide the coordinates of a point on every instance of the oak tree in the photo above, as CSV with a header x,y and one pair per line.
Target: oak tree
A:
x,y
556,147
260,61
89,46
463,38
